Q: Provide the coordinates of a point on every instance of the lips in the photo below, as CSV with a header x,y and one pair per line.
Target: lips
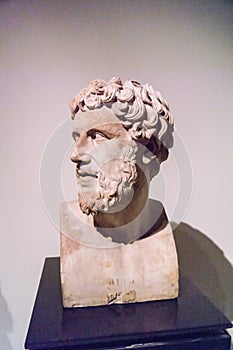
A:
x,y
85,174
81,172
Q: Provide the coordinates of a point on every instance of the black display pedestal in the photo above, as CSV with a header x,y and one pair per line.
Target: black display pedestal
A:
x,y
189,322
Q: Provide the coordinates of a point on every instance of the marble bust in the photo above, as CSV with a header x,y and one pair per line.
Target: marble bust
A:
x,y
116,244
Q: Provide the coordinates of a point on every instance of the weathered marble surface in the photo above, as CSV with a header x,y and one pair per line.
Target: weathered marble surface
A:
x,y
116,244
97,271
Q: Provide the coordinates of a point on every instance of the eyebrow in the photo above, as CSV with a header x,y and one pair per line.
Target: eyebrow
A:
x,y
106,133
110,130
106,130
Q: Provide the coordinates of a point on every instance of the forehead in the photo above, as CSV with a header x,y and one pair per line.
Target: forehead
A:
x,y
91,119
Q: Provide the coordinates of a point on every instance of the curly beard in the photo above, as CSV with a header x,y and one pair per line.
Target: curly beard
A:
x,y
113,189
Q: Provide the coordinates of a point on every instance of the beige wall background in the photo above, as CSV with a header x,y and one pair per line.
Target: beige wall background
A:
x,y
49,50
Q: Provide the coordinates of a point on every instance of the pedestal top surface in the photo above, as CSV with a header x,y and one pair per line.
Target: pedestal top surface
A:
x,y
52,325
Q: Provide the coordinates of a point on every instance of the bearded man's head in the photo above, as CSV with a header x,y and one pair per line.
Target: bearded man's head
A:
x,y
120,130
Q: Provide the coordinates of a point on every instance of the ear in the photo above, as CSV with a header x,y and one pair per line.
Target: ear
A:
x,y
147,156
151,156
151,149
157,148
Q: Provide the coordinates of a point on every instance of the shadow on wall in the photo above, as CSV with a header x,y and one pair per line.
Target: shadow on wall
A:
x,y
6,324
205,264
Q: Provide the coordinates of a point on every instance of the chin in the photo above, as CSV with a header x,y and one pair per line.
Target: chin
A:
x,y
105,203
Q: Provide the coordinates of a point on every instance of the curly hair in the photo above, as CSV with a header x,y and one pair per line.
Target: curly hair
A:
x,y
142,111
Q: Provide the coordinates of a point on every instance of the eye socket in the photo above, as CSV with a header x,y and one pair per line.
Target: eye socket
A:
x,y
97,135
75,135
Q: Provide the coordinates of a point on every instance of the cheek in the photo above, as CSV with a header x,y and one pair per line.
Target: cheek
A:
x,y
111,169
106,151
122,148
115,149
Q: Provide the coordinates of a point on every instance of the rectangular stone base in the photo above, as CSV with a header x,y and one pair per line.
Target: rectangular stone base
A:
x,y
142,271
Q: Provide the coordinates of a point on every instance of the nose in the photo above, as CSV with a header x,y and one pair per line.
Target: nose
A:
x,y
79,157
79,153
